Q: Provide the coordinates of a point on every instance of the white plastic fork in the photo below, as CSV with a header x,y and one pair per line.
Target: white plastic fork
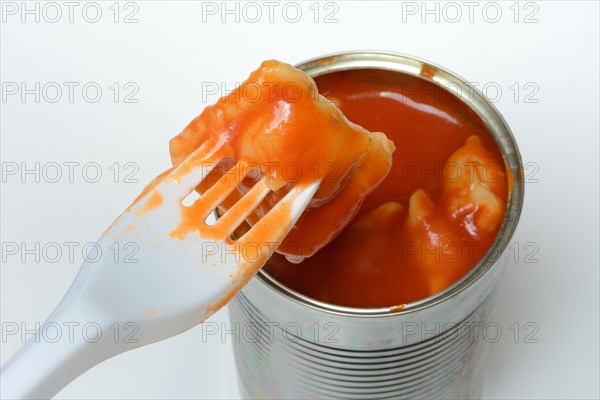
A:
x,y
165,285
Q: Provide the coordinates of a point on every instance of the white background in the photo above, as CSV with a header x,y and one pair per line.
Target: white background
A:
x,y
174,48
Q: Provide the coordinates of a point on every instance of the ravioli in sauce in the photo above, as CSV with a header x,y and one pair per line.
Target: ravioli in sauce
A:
x,y
433,217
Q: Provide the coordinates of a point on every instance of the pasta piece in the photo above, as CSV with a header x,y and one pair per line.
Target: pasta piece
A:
x,y
277,122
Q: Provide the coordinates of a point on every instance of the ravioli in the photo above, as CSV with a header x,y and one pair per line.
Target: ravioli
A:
x,y
277,122
397,253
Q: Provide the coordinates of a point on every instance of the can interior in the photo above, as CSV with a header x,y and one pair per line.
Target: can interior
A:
x,y
499,130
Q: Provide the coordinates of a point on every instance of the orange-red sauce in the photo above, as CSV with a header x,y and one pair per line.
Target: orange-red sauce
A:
x,y
155,200
435,214
276,122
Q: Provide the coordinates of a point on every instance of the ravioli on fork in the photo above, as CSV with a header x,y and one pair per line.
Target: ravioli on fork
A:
x,y
277,122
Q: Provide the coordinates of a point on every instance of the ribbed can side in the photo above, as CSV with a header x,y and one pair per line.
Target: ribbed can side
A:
x,y
281,365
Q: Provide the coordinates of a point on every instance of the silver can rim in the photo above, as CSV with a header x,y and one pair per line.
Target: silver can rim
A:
x,y
499,129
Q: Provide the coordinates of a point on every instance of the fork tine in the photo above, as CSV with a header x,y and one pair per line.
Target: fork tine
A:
x,y
221,189
190,172
233,217
276,224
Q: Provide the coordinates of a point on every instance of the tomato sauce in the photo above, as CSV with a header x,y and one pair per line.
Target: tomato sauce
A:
x,y
433,217
276,126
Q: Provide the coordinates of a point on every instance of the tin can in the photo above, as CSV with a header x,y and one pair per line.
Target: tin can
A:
x,y
293,346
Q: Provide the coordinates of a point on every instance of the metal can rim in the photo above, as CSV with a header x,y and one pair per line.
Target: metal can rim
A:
x,y
499,129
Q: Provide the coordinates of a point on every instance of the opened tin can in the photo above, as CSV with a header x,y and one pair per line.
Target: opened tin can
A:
x,y
297,347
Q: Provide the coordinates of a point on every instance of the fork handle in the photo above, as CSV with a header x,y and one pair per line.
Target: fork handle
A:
x,y
46,364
